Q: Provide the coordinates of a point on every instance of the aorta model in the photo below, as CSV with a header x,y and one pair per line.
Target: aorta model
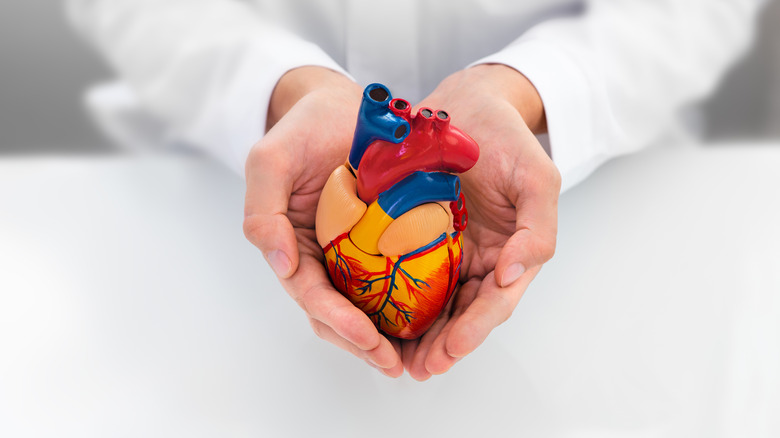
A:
x,y
390,219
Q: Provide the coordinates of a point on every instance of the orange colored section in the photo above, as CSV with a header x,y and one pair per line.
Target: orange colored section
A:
x,y
339,208
414,229
403,295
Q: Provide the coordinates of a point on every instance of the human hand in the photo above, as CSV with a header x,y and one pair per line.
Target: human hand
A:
x,y
311,121
512,200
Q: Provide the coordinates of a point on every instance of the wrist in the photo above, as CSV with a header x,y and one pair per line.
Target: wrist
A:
x,y
297,83
515,88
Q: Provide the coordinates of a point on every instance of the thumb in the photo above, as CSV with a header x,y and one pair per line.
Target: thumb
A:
x,y
536,225
523,251
269,182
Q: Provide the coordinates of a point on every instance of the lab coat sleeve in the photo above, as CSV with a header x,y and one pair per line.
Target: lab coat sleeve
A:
x,y
613,78
206,68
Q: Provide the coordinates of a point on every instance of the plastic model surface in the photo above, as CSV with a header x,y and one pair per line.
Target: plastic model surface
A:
x,y
390,219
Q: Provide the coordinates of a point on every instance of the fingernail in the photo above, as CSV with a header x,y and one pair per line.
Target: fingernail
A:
x,y
279,262
512,273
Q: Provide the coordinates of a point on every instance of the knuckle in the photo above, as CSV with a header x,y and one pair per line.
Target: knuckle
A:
x,y
255,229
261,151
265,156
316,327
303,302
257,156
506,309
310,299
344,321
505,317
250,227
547,249
497,312
331,314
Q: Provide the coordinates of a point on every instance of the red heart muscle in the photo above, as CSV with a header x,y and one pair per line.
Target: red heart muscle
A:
x,y
390,220
433,145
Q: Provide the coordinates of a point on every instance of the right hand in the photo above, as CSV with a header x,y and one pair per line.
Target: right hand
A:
x,y
512,199
311,121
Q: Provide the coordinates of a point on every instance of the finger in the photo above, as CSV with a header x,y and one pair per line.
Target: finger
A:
x,y
408,349
311,288
414,359
383,357
432,355
416,354
397,346
396,343
269,180
492,306
438,361
533,242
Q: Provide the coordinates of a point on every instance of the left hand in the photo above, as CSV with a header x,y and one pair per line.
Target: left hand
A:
x,y
312,117
512,201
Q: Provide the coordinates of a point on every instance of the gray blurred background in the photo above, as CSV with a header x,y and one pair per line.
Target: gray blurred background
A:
x,y
45,68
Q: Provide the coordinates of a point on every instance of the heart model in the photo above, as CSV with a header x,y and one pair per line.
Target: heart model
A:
x,y
390,219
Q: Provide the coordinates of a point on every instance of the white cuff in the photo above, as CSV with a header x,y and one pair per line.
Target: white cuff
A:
x,y
568,104
239,116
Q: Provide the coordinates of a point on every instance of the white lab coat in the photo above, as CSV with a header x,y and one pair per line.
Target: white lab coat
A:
x,y
613,74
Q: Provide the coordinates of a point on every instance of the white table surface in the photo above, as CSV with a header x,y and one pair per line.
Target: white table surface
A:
x,y
132,306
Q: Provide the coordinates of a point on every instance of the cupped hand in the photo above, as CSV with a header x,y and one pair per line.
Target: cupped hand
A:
x,y
312,118
511,197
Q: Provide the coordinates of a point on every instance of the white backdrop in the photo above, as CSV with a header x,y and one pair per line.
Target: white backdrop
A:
x,y
131,305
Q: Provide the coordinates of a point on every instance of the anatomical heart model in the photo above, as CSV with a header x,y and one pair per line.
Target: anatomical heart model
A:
x,y
390,219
